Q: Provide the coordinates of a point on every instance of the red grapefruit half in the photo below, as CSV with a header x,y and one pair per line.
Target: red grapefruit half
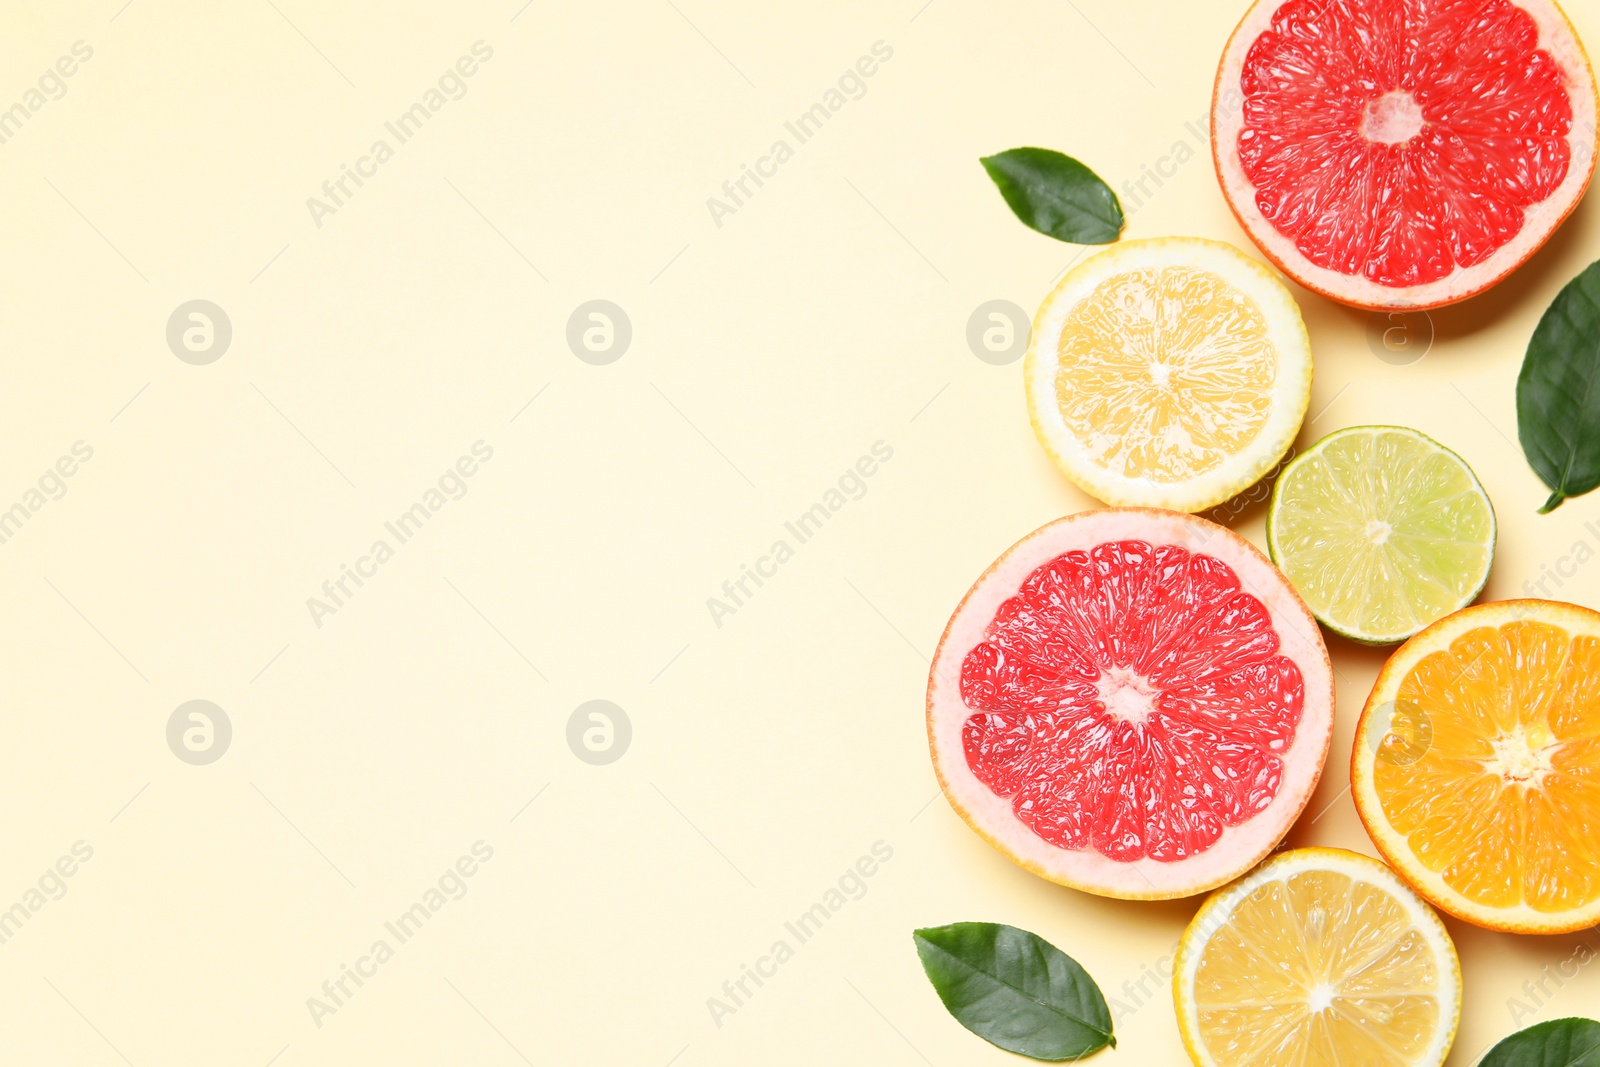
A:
x,y
1131,702
1400,153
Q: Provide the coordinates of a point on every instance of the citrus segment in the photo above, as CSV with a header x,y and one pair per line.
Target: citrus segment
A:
x,y
1383,530
1395,153
1166,372
1131,702
1319,956
1171,372
1493,814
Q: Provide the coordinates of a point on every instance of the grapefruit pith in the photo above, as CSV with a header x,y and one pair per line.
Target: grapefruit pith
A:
x,y
1131,702
1402,154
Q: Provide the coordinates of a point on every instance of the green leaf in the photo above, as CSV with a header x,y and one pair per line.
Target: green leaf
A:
x,y
1056,195
1015,990
1558,1043
1558,392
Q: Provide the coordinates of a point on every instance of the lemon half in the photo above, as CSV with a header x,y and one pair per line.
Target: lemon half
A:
x,y
1317,957
1170,373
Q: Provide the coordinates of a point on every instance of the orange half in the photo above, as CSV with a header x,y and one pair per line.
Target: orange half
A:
x,y
1476,767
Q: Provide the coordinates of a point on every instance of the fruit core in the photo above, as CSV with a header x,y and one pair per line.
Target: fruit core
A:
x,y
1320,997
1393,118
1521,757
1127,695
1131,699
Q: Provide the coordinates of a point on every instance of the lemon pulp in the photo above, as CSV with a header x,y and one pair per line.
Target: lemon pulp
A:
x,y
1165,373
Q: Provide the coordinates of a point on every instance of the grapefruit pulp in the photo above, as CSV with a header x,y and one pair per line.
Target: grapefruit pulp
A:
x,y
1131,702
1400,153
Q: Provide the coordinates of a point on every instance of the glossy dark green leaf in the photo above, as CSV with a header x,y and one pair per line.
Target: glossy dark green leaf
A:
x,y
1558,1043
1015,990
1056,195
1558,392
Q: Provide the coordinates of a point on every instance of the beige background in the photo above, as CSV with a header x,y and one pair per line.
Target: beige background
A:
x,y
768,354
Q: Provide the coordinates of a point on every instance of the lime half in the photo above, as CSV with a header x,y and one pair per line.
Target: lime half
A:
x,y
1383,531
